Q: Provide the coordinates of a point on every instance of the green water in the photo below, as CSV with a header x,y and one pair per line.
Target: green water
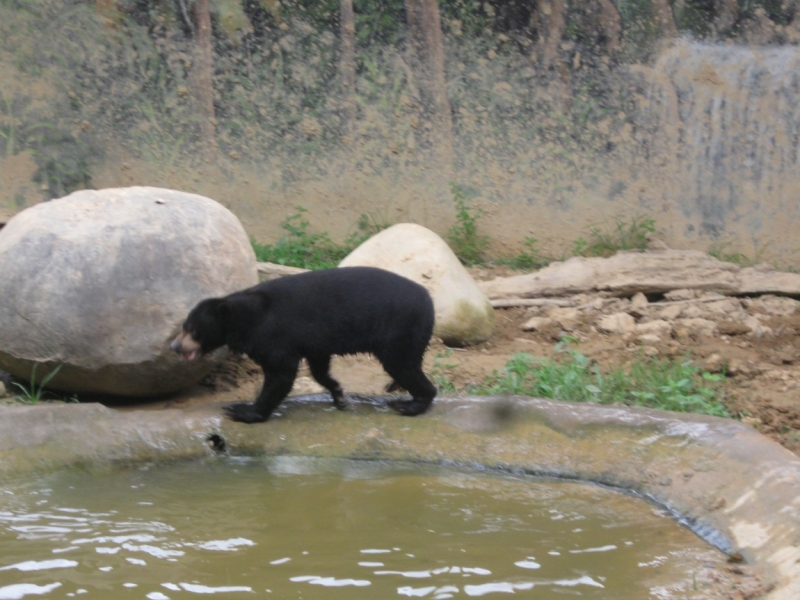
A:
x,y
306,529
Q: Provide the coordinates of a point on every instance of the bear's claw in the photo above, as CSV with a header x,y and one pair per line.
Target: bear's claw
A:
x,y
244,412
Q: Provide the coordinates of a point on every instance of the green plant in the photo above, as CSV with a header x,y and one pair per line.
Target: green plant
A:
x,y
441,373
569,375
463,236
33,394
528,259
301,248
720,250
623,235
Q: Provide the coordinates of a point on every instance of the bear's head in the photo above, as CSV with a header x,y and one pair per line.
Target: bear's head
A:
x,y
204,329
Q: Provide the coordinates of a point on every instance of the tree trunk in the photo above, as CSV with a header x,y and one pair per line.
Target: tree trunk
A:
x,y
664,19
347,63
427,60
550,20
202,78
726,13
610,22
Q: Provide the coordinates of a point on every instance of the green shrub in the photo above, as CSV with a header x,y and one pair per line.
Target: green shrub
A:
x,y
301,248
463,236
569,375
527,260
622,236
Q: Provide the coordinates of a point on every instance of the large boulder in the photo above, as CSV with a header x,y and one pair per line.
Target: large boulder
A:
x,y
99,282
463,313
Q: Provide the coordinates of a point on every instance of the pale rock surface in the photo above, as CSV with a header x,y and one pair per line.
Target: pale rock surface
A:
x,y
657,327
670,313
100,282
756,328
567,318
620,323
464,315
639,301
537,323
698,326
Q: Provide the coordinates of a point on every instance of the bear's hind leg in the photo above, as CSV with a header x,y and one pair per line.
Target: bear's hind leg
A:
x,y
277,385
419,386
320,371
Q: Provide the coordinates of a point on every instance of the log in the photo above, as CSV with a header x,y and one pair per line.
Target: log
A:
x,y
654,272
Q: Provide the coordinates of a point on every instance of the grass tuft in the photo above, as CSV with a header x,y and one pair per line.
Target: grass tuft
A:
x,y
463,237
33,394
529,259
622,236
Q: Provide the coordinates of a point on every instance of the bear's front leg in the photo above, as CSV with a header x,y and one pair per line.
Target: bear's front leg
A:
x,y
277,386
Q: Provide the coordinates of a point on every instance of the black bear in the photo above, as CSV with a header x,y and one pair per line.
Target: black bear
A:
x,y
315,315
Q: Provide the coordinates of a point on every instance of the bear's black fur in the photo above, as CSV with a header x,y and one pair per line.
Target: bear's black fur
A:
x,y
315,315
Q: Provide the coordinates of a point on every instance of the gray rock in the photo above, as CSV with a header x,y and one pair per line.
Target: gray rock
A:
x,y
100,281
616,323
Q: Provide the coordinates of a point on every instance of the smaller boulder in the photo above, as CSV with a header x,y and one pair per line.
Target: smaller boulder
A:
x,y
464,315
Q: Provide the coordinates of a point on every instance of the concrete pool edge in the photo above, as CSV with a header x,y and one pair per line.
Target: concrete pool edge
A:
x,y
733,486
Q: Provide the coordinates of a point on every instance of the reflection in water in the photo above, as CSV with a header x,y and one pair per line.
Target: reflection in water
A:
x,y
305,528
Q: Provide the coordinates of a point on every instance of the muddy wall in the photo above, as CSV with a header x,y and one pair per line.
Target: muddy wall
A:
x,y
694,125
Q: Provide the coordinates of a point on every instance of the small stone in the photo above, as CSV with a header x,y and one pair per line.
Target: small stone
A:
x,y
700,327
671,313
639,301
3,392
718,503
723,307
649,339
537,324
714,363
665,481
757,329
616,323
567,318
732,328
693,311
656,327
650,351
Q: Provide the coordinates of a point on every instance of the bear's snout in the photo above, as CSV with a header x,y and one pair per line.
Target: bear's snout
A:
x,y
186,346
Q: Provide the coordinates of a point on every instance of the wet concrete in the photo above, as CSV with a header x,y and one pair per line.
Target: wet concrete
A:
x,y
733,486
